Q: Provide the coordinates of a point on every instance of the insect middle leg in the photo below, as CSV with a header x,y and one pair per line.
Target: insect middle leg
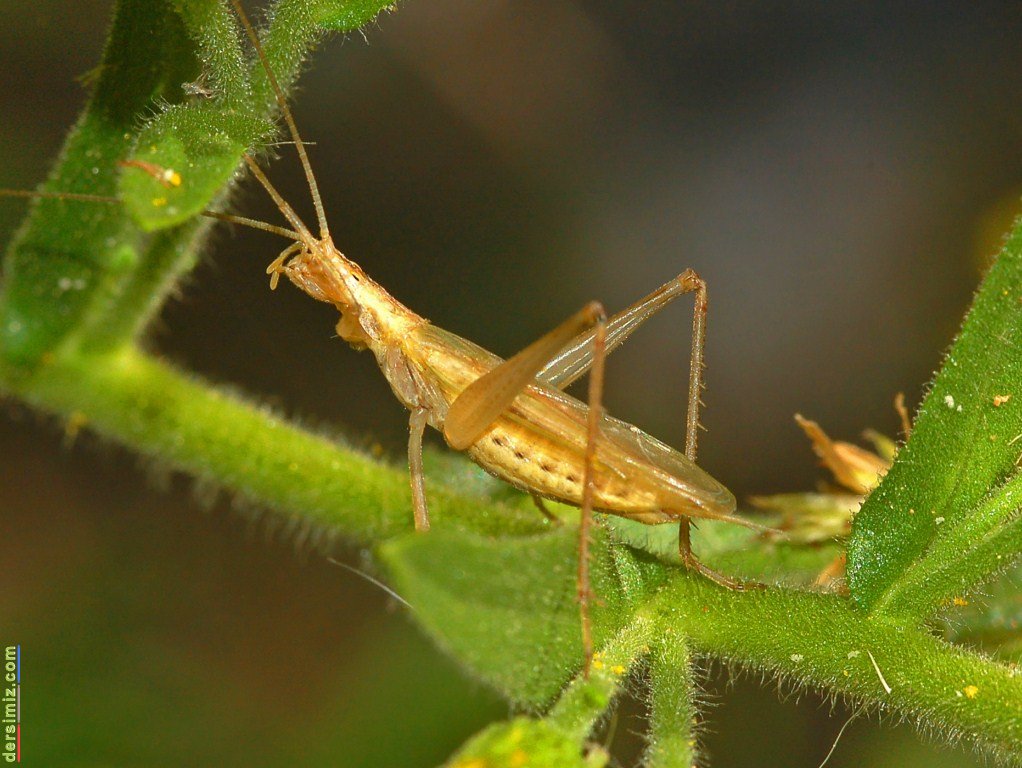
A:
x,y
416,426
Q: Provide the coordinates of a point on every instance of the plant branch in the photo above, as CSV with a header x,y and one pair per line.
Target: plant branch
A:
x,y
673,712
824,643
218,437
812,639
585,700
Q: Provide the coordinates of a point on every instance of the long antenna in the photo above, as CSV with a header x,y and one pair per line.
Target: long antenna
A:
x,y
247,222
286,209
80,196
59,196
324,229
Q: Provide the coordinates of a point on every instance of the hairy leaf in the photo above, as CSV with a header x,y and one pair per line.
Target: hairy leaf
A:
x,y
964,444
517,627
71,255
992,621
524,742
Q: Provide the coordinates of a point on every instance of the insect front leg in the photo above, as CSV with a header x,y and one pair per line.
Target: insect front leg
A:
x,y
416,427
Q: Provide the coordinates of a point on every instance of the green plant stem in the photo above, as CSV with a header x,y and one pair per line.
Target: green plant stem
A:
x,y
815,640
823,642
586,699
136,300
212,27
673,713
68,257
218,437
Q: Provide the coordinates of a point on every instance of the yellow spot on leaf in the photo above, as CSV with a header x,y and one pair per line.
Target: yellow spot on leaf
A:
x,y
1000,400
519,758
617,669
73,426
971,691
159,202
961,602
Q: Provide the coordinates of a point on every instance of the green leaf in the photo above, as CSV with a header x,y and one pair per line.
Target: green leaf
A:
x,y
963,445
69,256
192,149
198,146
517,628
562,737
730,549
346,16
524,742
967,553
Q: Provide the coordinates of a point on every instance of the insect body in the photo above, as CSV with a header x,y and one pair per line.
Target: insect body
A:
x,y
537,441
511,416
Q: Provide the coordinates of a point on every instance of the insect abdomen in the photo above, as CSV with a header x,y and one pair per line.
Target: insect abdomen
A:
x,y
546,468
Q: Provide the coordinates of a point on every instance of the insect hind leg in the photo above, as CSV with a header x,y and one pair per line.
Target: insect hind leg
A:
x,y
585,591
689,559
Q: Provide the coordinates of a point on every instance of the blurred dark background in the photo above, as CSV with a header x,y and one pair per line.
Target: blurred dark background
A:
x,y
839,172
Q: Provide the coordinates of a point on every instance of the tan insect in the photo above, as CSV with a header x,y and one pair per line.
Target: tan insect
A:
x,y
512,416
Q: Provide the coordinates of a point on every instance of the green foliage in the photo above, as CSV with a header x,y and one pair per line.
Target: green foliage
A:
x,y
493,583
524,742
69,258
948,504
520,631
993,622
199,143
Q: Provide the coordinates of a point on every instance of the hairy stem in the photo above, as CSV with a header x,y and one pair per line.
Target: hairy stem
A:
x,y
673,713
825,643
585,700
217,436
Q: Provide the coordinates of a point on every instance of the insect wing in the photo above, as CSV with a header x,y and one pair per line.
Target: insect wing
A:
x,y
628,452
450,363
447,362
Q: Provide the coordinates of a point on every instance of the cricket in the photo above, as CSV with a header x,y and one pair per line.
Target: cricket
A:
x,y
511,417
